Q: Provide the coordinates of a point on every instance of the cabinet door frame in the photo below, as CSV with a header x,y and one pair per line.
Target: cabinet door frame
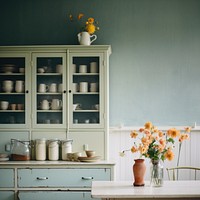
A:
x,y
27,89
102,91
46,54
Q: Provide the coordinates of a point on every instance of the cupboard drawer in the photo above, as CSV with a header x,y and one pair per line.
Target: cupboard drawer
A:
x,y
52,195
61,177
7,175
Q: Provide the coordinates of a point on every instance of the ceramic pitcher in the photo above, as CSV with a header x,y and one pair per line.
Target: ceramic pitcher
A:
x,y
85,38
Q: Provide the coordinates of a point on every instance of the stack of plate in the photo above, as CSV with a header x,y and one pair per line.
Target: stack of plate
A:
x,y
4,157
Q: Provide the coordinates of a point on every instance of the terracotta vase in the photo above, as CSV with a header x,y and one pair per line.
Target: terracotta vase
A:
x,y
139,169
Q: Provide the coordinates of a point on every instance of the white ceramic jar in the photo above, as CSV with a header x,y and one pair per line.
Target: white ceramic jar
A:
x,y
66,148
40,150
53,150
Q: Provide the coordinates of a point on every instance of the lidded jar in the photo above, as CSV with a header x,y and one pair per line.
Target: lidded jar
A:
x,y
66,148
40,150
53,149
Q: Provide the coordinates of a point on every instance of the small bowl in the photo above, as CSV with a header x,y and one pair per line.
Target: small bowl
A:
x,y
90,153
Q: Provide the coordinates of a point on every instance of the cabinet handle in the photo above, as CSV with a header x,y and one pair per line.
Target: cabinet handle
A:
x,y
87,178
42,178
27,91
64,91
70,91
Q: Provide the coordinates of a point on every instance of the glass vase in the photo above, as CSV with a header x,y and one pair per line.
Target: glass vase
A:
x,y
156,173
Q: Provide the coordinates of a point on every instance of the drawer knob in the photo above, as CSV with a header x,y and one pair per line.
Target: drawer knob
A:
x,y
42,178
87,178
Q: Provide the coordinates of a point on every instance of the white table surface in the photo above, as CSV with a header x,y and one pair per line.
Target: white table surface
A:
x,y
126,190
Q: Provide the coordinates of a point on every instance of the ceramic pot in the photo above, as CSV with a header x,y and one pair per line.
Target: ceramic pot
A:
x,y
139,169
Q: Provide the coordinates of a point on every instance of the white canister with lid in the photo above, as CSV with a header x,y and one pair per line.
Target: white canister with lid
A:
x,y
53,150
66,148
40,150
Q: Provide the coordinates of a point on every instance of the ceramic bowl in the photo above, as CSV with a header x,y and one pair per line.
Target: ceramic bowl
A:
x,y
90,153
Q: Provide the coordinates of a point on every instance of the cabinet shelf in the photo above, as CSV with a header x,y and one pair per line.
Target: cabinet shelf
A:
x,y
85,93
12,74
49,74
86,111
13,111
42,111
49,93
12,93
86,74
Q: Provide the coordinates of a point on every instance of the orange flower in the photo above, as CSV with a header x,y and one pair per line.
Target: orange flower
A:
x,y
134,149
133,134
183,136
90,20
160,134
187,129
148,125
169,155
173,133
80,15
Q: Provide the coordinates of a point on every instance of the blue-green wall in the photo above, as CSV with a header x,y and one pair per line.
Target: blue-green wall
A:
x,y
155,64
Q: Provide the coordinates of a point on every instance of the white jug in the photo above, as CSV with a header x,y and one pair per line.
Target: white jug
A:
x,y
84,38
56,104
45,105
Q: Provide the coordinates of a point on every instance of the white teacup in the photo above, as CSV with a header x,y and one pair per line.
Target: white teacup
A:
x,y
4,105
41,70
76,106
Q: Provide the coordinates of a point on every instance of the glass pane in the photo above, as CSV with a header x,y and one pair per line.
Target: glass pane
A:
x,y
49,85
12,90
86,87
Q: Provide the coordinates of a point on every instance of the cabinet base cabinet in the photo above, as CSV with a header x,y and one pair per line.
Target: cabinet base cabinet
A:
x,y
7,195
54,195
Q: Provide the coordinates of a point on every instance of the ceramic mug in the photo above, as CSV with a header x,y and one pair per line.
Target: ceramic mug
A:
x,y
75,87
93,67
19,86
93,87
82,68
59,69
4,105
60,88
7,86
43,87
53,87
13,106
76,106
83,87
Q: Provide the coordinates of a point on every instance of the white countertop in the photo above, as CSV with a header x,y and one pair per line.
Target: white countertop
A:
x,y
54,163
126,190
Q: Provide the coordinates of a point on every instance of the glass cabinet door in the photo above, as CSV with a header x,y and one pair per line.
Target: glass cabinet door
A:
x,y
14,89
49,90
86,105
